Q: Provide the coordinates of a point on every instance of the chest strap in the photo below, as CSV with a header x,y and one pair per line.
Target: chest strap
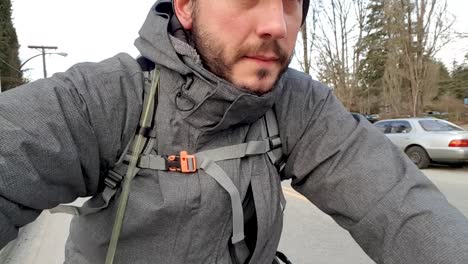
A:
x,y
206,160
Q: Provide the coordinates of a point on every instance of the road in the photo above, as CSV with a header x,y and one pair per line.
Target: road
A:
x,y
309,236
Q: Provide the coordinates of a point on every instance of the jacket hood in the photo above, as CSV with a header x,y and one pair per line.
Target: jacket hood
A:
x,y
212,102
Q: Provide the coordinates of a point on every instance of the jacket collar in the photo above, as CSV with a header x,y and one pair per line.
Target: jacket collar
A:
x,y
206,101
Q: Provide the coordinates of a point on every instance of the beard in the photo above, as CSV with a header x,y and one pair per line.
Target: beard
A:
x,y
217,60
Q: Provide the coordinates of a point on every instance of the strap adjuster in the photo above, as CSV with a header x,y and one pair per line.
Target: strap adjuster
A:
x,y
113,179
181,163
275,142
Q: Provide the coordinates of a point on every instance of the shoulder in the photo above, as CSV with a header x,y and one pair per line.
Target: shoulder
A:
x,y
112,77
301,101
120,64
300,92
300,83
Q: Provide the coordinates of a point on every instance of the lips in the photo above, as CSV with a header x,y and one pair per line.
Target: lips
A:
x,y
263,58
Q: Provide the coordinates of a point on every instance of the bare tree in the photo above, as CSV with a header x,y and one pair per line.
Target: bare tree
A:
x,y
305,64
338,45
425,31
413,32
308,36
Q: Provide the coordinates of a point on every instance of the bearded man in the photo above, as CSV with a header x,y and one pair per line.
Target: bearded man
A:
x,y
222,67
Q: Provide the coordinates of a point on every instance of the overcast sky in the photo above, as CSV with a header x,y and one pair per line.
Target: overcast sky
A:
x,y
93,30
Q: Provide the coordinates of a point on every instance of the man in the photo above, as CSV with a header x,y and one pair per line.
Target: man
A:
x,y
223,65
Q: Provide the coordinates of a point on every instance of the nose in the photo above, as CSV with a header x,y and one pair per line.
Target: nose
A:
x,y
272,20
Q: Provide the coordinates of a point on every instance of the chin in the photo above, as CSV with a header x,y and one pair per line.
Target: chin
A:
x,y
258,90
256,84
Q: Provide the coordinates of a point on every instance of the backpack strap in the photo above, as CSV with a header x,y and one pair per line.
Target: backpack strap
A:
x,y
99,201
276,155
272,131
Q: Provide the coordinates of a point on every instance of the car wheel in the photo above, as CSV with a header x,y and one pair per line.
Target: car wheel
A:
x,y
418,156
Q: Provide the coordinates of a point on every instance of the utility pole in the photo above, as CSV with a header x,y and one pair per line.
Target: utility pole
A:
x,y
43,50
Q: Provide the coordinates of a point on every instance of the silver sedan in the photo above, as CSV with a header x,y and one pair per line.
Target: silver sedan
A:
x,y
428,140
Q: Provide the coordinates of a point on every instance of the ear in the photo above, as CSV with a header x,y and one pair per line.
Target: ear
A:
x,y
184,10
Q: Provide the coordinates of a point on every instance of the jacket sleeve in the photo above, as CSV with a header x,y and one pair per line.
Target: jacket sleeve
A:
x,y
352,172
59,136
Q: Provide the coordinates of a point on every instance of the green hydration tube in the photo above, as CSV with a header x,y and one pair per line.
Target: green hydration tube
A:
x,y
145,122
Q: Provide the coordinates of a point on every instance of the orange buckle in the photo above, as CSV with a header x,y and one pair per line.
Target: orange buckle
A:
x,y
183,163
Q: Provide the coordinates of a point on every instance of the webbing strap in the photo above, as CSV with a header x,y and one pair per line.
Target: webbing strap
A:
x,y
218,174
271,123
236,151
65,209
275,155
154,162
149,146
157,162
271,131
99,202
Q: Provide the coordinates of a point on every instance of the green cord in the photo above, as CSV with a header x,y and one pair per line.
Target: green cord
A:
x,y
145,122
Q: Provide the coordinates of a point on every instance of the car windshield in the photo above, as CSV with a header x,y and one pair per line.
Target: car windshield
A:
x,y
437,125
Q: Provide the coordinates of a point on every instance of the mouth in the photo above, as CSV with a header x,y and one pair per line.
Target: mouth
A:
x,y
263,60
262,57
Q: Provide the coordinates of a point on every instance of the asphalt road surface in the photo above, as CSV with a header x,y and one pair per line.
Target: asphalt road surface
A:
x,y
309,236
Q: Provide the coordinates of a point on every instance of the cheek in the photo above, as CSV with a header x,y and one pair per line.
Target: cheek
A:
x,y
232,34
293,31
292,37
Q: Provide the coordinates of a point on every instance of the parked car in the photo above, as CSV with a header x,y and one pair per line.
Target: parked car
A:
x,y
436,114
428,140
372,118
433,113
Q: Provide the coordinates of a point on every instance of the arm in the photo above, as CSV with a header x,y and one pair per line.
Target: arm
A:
x,y
59,136
353,173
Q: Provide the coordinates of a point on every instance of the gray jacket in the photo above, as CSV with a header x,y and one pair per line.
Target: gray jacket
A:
x,y
60,136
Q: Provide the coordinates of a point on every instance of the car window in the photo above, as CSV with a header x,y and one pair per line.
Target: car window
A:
x,y
400,126
384,127
438,125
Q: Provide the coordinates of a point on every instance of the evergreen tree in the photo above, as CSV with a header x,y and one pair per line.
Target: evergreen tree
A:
x,y
374,42
374,51
10,74
445,81
459,84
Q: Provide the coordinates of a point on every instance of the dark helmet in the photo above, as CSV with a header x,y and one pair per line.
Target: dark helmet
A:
x,y
305,9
